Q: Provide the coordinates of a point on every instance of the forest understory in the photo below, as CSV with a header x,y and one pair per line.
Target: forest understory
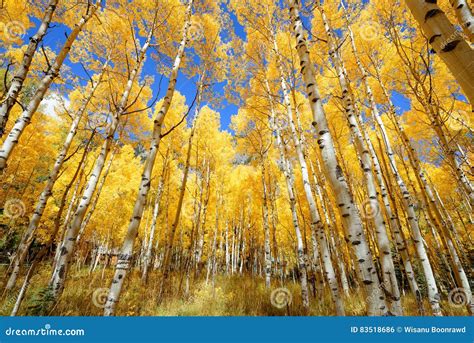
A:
x,y
226,295
236,157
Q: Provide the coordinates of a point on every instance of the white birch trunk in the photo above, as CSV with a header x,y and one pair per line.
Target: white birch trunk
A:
x,y
28,236
424,97
122,266
317,226
20,76
97,196
156,212
167,259
200,234
268,257
25,119
433,294
465,17
22,292
388,268
211,260
68,244
447,42
79,173
352,222
319,193
289,177
227,254
435,205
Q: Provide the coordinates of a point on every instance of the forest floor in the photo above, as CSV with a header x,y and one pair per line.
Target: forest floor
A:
x,y
236,295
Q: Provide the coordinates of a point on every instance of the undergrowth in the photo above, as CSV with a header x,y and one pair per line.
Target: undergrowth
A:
x,y
237,295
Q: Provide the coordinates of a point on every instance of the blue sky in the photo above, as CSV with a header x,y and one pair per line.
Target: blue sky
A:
x,y
55,38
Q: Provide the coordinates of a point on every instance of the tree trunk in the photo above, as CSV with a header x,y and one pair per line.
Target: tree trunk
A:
x,y
14,136
289,177
447,42
172,230
464,16
28,236
68,244
80,170
352,222
20,76
408,204
122,266
97,196
317,226
266,226
156,212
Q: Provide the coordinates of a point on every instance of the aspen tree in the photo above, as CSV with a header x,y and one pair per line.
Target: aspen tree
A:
x,y
432,108
127,248
430,201
289,177
408,203
268,257
352,221
156,212
166,266
93,205
53,72
47,191
19,78
447,42
316,223
464,16
76,178
68,243
395,224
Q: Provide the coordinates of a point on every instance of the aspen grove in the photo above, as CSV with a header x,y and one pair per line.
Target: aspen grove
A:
x,y
236,157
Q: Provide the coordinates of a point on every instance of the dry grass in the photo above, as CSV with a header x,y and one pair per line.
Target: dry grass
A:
x,y
231,296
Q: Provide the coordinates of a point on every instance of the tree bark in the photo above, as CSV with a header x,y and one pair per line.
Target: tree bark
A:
x,y
123,264
317,226
289,177
352,221
28,236
266,227
464,16
156,212
97,196
447,42
68,244
20,76
172,230
25,119
408,204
